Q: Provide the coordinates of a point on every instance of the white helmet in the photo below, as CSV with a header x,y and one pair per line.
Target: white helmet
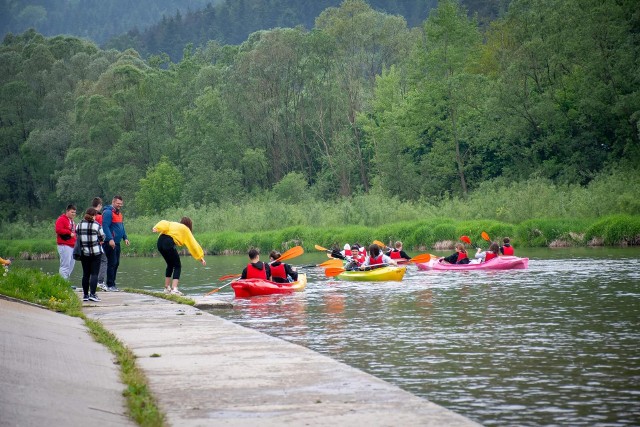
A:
x,y
347,247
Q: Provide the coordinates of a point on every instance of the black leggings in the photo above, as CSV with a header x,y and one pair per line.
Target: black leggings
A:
x,y
167,248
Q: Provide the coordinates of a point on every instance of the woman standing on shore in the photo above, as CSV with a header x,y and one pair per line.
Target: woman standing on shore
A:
x,y
90,236
172,234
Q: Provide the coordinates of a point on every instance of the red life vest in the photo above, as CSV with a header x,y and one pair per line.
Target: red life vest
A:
x,y
360,257
254,273
347,252
278,272
395,254
507,250
489,255
461,256
375,261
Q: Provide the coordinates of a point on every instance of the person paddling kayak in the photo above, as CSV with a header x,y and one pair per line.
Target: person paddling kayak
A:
x,y
459,257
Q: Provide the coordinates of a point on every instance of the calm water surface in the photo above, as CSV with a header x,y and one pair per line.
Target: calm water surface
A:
x,y
557,344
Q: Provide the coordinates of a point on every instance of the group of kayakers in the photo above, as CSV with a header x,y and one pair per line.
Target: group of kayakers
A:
x,y
460,256
357,256
275,270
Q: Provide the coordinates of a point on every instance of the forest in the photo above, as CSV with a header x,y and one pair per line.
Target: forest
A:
x,y
231,22
359,104
95,20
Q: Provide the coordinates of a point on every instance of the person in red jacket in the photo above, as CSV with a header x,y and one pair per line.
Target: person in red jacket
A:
x,y
66,239
256,269
281,272
506,248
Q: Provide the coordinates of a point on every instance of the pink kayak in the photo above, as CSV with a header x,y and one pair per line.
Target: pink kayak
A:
x,y
252,287
499,263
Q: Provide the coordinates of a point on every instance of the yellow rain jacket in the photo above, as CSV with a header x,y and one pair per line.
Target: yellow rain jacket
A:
x,y
182,236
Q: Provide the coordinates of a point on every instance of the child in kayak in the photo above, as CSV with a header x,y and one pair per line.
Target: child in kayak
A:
x,y
376,257
398,253
506,248
492,252
459,257
281,272
256,269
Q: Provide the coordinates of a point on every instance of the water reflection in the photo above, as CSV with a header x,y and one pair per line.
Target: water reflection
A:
x,y
553,345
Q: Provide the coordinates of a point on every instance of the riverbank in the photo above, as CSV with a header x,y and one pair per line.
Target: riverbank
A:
x,y
417,236
201,369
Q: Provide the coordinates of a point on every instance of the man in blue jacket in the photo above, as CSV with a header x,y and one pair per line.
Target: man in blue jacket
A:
x,y
113,227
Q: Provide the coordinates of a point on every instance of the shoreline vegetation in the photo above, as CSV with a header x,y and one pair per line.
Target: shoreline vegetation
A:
x,y
418,235
54,293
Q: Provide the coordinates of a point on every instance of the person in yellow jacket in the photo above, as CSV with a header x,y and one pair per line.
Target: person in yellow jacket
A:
x,y
172,234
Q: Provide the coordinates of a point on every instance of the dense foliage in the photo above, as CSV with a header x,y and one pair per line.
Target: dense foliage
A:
x,y
96,20
232,22
360,104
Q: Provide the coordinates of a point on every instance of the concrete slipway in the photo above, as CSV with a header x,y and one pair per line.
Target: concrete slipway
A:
x,y
204,371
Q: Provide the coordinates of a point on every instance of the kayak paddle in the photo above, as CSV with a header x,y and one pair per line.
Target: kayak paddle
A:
x,y
333,262
419,259
380,244
320,248
217,289
485,236
333,271
467,240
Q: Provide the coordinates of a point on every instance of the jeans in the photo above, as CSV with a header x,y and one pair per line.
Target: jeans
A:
x,y
66,260
103,268
113,261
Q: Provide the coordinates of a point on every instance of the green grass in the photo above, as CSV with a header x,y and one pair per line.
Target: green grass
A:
x,y
421,234
55,293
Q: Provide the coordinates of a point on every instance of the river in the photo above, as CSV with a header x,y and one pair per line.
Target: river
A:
x,y
556,344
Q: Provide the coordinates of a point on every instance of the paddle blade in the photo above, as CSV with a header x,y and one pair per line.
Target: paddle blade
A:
x,y
333,262
291,253
379,243
485,236
320,248
421,258
466,239
333,271
228,276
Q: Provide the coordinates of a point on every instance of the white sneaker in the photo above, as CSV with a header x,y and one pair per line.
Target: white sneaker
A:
x,y
176,292
167,290
102,286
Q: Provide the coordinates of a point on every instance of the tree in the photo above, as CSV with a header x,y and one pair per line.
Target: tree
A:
x,y
449,92
160,189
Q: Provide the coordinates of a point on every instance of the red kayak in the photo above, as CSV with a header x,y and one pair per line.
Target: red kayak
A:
x,y
252,287
498,263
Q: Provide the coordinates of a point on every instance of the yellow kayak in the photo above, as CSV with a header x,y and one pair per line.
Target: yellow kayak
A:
x,y
382,274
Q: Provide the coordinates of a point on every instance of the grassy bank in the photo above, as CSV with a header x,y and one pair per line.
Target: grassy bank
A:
x,y
54,293
614,230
